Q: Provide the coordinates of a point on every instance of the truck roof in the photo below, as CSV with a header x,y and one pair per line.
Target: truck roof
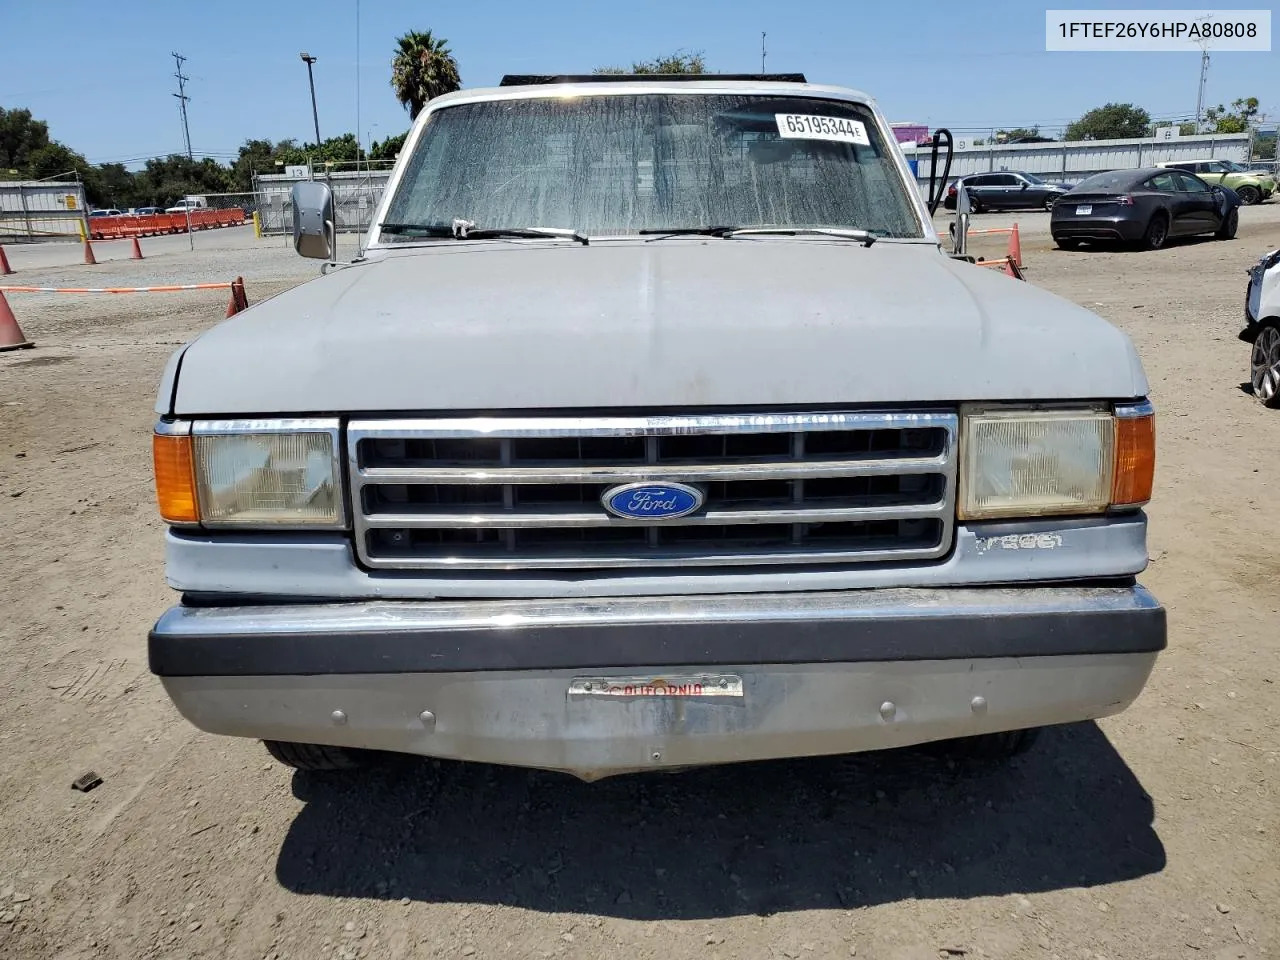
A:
x,y
524,80
530,86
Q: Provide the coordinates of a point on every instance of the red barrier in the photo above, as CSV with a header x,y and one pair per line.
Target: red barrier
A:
x,y
126,227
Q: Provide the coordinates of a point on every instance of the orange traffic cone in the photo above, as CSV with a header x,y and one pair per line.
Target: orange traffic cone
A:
x,y
11,336
88,253
1015,246
239,301
5,269
137,250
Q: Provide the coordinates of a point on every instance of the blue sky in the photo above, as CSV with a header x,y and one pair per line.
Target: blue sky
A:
x,y
101,75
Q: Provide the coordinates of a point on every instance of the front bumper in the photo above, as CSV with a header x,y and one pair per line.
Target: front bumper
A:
x,y
822,673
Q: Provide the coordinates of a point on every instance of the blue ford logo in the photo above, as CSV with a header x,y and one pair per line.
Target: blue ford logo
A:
x,y
652,501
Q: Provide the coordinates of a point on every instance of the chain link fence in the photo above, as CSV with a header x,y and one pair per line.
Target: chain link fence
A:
x,y
355,195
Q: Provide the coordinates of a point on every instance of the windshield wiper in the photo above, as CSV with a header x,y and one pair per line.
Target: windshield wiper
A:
x,y
690,231
865,237
466,230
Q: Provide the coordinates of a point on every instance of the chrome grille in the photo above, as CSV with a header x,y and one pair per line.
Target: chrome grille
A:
x,y
524,493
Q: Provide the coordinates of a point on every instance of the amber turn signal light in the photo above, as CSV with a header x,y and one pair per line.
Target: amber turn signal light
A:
x,y
175,478
1135,460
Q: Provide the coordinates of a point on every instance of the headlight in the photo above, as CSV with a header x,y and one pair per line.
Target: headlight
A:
x,y
1035,463
245,473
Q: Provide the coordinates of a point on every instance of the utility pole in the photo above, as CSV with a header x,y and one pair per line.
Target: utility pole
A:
x,y
762,51
182,100
1204,77
1203,43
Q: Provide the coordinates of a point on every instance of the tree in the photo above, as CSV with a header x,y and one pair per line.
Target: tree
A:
x,y
678,62
256,156
1112,121
388,148
165,180
1017,133
422,69
111,185
52,159
20,134
1221,120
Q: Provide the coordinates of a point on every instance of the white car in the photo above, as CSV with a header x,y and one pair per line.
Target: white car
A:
x,y
188,203
1262,328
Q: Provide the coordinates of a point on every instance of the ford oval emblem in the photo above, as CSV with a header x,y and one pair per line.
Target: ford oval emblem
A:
x,y
652,501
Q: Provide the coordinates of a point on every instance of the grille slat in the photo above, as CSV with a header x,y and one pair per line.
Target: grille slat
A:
x,y
526,492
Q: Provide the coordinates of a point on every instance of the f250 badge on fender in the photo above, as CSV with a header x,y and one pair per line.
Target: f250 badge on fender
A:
x,y
652,501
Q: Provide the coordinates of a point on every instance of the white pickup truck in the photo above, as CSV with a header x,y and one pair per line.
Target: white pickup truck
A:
x,y
653,429
188,203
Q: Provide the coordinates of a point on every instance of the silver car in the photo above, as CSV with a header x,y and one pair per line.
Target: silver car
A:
x,y
653,429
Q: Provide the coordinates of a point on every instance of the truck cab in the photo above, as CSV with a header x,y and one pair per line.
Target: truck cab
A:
x,y
653,429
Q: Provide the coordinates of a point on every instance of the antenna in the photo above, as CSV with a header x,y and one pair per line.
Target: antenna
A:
x,y
762,51
182,100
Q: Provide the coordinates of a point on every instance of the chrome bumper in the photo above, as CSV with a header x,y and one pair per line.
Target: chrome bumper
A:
x,y
820,673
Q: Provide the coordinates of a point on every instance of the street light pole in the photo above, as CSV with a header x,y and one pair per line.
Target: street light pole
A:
x,y
308,59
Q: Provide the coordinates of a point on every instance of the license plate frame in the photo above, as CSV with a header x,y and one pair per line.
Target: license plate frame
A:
x,y
700,686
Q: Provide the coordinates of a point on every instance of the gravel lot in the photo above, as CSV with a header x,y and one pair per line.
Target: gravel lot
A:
x,y
1151,834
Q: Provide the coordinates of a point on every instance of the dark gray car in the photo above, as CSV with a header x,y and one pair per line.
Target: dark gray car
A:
x,y
1006,190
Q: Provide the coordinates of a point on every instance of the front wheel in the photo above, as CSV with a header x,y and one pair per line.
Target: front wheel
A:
x,y
1264,366
1048,204
1249,195
995,746
1157,232
316,756
1229,226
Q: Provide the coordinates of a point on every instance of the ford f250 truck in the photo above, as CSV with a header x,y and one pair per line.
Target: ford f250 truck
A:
x,y
652,429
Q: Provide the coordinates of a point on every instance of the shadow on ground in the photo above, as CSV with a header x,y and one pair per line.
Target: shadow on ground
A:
x,y
751,839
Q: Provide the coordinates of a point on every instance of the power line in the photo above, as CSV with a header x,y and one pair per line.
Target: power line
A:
x,y
182,100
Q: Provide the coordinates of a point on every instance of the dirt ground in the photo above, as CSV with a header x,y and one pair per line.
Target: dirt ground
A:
x,y
1152,834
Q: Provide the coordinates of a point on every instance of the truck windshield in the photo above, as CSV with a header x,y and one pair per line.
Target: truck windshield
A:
x,y
618,164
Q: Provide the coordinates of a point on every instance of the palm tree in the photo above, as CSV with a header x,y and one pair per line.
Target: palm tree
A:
x,y
422,69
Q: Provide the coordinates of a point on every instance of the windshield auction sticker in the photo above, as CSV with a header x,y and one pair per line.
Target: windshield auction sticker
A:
x,y
806,126
1157,30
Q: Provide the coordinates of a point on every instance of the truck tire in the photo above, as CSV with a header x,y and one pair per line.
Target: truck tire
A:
x,y
315,756
995,746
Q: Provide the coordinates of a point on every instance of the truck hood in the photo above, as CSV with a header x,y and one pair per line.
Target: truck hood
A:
x,y
673,323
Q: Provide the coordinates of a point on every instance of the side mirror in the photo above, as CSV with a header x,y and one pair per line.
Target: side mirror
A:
x,y
314,232
1025,185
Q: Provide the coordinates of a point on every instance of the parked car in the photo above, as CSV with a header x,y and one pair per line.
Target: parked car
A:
x,y
1146,206
111,212
1006,190
148,211
1251,186
647,487
1262,328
